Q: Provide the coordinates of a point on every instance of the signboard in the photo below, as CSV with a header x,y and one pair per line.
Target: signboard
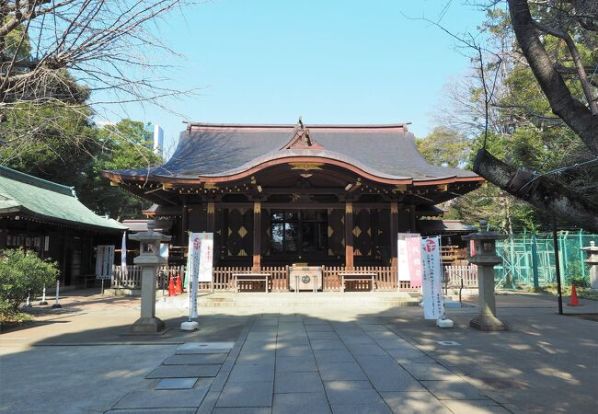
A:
x,y
409,258
432,278
199,265
104,261
164,251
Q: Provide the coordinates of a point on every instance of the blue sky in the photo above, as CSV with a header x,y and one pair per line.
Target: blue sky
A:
x,y
331,61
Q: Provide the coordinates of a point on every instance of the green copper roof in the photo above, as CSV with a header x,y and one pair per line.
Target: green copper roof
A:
x,y
27,195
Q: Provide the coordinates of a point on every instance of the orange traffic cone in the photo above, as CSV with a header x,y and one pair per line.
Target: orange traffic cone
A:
x,y
171,289
178,286
573,301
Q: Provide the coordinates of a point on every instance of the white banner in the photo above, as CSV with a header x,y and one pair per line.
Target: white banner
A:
x,y
409,258
432,280
206,259
403,260
199,266
123,254
104,261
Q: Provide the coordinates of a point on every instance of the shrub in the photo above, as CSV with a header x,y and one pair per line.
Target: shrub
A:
x,y
579,281
22,272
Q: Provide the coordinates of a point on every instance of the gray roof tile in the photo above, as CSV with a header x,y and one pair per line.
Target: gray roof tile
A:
x,y
209,150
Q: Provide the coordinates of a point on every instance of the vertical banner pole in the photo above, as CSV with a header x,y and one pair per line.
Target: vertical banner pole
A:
x,y
44,301
123,254
57,305
535,273
192,271
557,266
432,282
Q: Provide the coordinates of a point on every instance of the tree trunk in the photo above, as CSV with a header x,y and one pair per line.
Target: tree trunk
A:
x,y
573,112
540,191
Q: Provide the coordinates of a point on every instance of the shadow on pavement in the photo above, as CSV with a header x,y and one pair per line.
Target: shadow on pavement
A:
x,y
544,363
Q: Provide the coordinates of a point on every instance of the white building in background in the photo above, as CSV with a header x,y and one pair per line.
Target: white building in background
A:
x,y
158,140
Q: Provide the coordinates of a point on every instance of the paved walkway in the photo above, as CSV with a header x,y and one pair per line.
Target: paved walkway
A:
x,y
296,364
353,355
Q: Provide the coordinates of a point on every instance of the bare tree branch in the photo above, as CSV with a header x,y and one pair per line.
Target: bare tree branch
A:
x,y
86,44
543,193
573,112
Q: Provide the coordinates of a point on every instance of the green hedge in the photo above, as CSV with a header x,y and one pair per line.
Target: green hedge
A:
x,y
22,272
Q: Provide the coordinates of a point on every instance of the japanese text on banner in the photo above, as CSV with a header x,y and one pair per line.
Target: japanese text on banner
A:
x,y
432,278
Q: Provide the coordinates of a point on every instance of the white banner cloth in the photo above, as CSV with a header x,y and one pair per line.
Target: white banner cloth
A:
x,y
432,278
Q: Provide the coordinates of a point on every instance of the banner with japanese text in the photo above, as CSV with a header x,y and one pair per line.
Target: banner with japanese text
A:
x,y
200,256
199,266
409,258
432,278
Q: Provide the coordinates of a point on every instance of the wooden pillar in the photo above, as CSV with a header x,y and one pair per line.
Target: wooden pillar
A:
x,y
211,219
257,235
394,230
349,234
184,224
412,219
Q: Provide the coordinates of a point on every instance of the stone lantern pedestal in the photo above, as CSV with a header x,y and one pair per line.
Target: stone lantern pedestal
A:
x,y
485,258
149,259
592,260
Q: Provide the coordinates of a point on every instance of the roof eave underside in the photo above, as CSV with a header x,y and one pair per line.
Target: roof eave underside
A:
x,y
50,206
269,161
22,211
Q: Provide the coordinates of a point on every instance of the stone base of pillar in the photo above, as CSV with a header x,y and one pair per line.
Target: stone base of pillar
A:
x,y
148,325
189,326
487,323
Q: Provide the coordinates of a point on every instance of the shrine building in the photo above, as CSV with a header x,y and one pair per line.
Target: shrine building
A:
x,y
275,195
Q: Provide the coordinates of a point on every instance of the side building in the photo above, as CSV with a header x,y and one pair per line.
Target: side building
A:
x,y
47,217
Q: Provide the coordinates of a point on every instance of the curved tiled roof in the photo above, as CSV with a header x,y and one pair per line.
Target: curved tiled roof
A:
x,y
25,194
387,152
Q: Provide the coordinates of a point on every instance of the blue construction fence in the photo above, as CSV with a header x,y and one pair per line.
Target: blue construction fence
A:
x,y
529,259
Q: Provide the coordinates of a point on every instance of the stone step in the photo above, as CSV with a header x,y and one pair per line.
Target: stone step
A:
x,y
281,300
255,299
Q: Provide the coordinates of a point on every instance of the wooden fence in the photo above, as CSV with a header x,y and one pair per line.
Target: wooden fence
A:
x,y
453,275
131,278
385,277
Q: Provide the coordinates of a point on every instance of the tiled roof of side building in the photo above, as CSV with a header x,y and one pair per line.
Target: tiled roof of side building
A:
x,y
211,150
47,201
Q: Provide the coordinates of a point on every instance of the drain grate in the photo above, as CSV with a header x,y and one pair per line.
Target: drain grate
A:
x,y
448,343
504,383
204,347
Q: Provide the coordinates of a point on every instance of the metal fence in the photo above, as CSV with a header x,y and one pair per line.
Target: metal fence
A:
x,y
529,258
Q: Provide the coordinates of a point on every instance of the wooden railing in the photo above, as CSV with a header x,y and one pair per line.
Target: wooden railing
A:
x,y
385,277
455,274
131,278
453,254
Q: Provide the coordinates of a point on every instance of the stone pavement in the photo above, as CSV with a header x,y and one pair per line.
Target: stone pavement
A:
x,y
354,355
299,364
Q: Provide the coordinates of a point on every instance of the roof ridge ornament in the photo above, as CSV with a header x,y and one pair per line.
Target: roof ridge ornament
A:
x,y
301,138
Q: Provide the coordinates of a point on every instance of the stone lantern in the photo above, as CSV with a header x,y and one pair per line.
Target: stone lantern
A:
x,y
485,257
592,260
149,259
